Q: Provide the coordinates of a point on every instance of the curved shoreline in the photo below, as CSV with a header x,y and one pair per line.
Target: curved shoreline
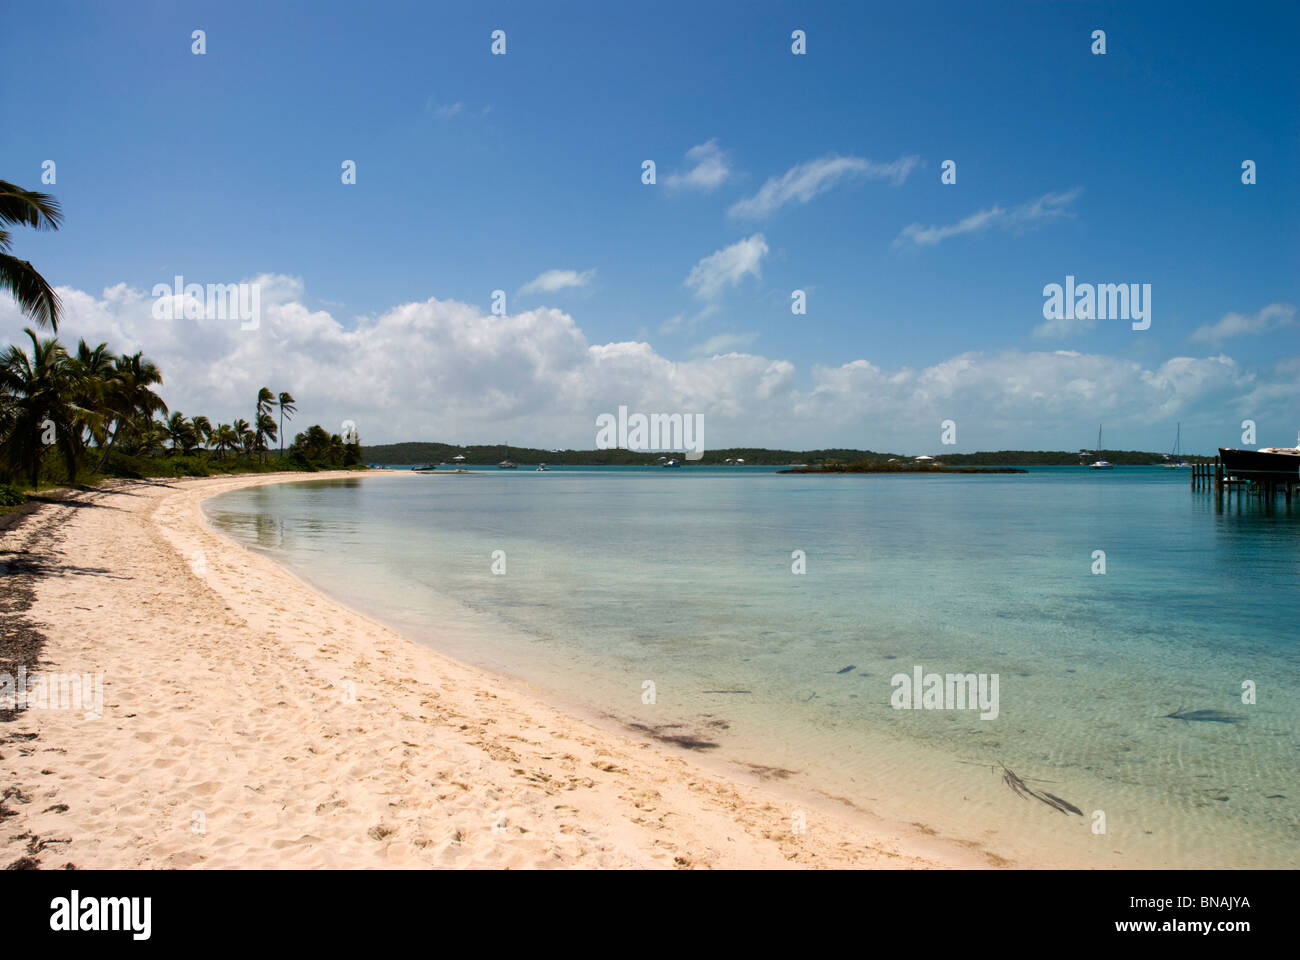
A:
x,y
296,732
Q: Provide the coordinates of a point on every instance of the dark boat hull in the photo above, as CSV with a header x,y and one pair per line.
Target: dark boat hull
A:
x,y
1263,467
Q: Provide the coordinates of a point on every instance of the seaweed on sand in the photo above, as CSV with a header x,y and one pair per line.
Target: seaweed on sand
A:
x,y
1022,789
689,741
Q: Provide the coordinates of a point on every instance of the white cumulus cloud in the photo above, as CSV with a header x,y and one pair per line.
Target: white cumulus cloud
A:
x,y
444,370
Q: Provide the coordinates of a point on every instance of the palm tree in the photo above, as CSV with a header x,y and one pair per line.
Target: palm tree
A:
x,y
26,208
265,401
287,408
266,429
149,436
94,368
203,430
224,438
181,433
42,391
247,439
131,401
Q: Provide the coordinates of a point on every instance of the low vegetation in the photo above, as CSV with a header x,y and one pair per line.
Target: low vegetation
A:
x,y
897,466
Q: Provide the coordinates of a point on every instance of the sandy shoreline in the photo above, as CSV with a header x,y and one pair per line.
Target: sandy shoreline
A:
x,y
250,721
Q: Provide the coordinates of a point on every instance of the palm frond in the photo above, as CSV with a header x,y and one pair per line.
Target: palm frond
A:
x,y
35,297
28,208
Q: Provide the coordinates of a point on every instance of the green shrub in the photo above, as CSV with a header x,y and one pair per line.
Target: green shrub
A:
x,y
121,465
299,462
189,467
11,496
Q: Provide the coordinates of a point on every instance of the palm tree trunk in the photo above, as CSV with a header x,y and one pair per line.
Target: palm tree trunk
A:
x,y
108,448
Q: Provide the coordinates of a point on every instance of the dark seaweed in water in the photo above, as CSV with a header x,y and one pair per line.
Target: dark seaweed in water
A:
x,y
852,666
1063,803
688,741
1203,716
1021,789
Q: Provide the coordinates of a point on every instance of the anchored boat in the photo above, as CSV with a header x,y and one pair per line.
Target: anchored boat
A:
x,y
1100,464
1176,455
1267,465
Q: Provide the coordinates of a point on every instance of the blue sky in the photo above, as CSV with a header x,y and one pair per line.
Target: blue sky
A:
x,y
478,172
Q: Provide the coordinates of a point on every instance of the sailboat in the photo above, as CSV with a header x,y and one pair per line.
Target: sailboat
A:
x,y
1100,464
1177,452
507,463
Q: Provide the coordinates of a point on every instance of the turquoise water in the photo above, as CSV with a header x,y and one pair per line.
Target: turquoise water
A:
x,y
619,576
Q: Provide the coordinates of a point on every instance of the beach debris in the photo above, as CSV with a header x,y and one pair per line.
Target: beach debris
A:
x,y
1203,716
764,772
1022,789
688,741
852,666
1064,804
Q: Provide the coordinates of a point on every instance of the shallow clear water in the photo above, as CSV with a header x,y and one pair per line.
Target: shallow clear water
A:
x,y
614,577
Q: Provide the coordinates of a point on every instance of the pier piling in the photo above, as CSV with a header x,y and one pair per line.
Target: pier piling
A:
x,y
1206,476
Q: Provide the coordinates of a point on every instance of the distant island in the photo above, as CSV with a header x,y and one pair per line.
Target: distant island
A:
x,y
898,466
428,452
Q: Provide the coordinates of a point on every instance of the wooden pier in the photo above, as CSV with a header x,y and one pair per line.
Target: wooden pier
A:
x,y
1211,477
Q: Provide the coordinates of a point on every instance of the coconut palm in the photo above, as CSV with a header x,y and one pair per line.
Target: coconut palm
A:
x,y
27,208
148,437
266,429
130,400
224,438
265,401
247,438
42,390
287,409
94,369
181,433
203,430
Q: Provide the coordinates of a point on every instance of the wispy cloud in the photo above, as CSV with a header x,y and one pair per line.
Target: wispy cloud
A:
x,y
806,180
727,267
550,281
1026,216
709,169
683,322
723,343
1058,327
1272,317
443,109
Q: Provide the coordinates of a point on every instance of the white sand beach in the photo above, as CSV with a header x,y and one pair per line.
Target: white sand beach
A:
x,y
250,721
